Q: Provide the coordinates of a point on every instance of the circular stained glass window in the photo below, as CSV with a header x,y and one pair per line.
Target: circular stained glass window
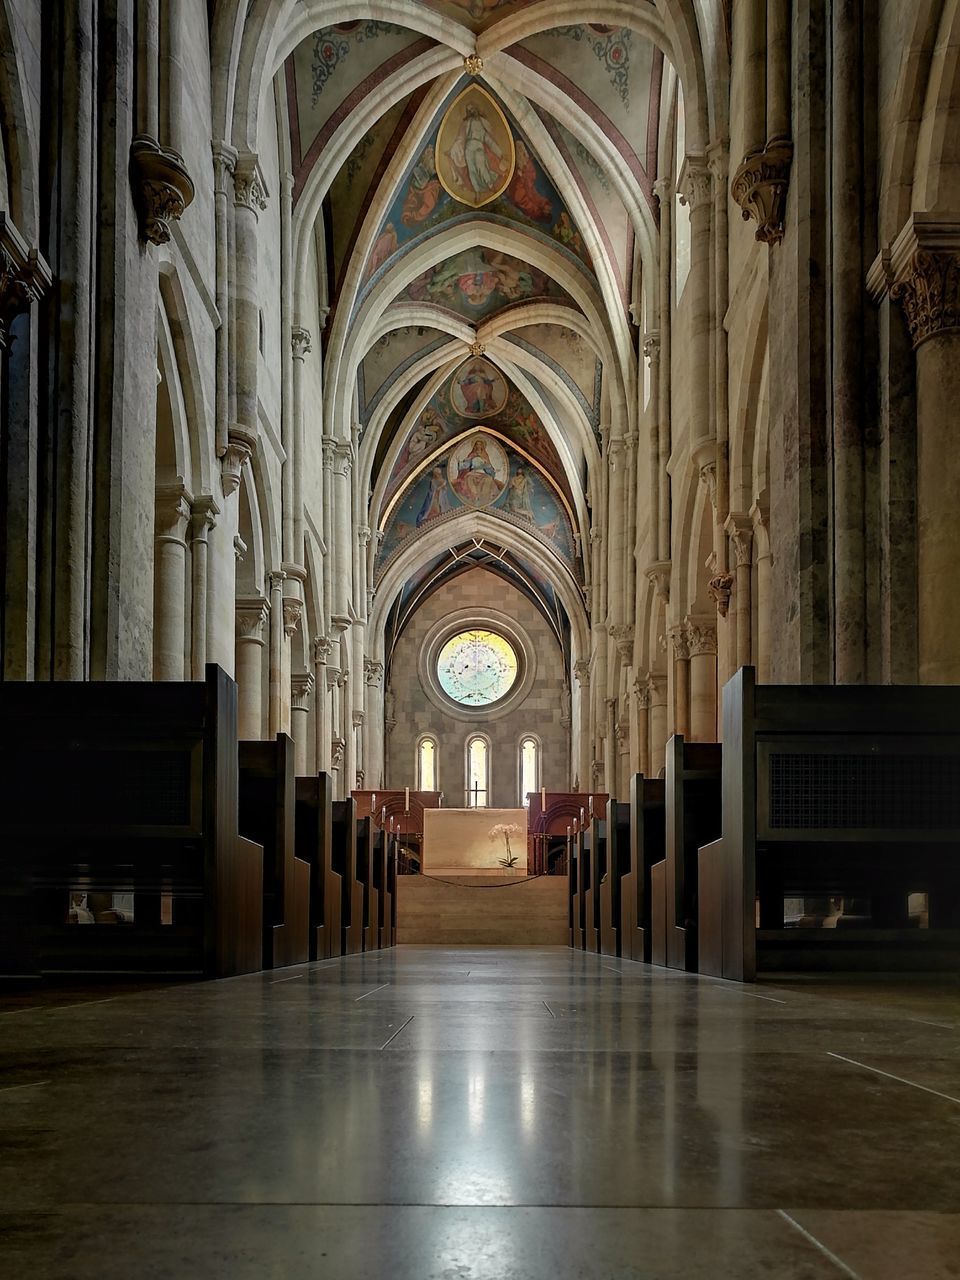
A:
x,y
476,668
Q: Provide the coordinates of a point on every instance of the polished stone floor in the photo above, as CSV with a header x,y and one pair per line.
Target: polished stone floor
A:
x,y
428,1114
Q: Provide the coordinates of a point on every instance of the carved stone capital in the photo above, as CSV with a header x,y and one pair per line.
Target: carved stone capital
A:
x,y
204,511
300,341
333,679
172,512
24,276
597,770
224,164
276,578
641,691
695,183
658,574
924,268
581,669
701,637
372,672
249,186
720,586
342,457
657,684
739,529
292,610
301,686
239,451
162,188
358,719
651,346
252,613
759,187
322,648
364,535
663,189
680,641
336,752
621,634
708,478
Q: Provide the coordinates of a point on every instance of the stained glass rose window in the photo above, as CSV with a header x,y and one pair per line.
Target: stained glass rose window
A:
x,y
476,668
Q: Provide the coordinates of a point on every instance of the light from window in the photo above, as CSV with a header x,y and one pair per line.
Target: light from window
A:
x,y
529,769
477,763
477,667
427,765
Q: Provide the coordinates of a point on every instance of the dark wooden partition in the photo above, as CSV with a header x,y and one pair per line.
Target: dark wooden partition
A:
x,y
267,814
579,880
367,877
351,888
385,883
119,848
847,796
692,793
314,845
618,861
647,847
595,846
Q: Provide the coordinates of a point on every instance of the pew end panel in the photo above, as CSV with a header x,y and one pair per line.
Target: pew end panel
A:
x,y
351,889
647,847
693,817
618,848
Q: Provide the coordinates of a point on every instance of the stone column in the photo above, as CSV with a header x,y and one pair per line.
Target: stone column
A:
x,y
657,684
204,513
342,502
321,653
663,189
651,351
250,195
300,339
275,657
328,446
348,772
740,530
373,719
641,690
335,749
681,678
702,643
292,612
170,583
584,754
925,263
761,605
251,616
695,186
301,686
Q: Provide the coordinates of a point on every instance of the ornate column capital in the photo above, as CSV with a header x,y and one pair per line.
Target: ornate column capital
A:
x,y
336,752
363,535
249,185
924,270
372,672
24,276
581,669
292,610
739,529
252,613
333,678
621,633
658,575
240,449
204,511
358,719
322,648
663,189
708,478
172,511
680,641
224,164
162,187
695,183
301,686
651,346
641,691
300,341
719,587
759,187
657,684
701,637
276,578
342,457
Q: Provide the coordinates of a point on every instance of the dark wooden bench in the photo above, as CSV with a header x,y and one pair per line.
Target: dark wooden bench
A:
x,y
267,814
618,862
578,878
119,848
595,847
314,845
647,848
849,795
345,865
366,874
385,882
692,796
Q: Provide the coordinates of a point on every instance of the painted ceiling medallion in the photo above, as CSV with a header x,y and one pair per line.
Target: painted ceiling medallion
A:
x,y
478,389
475,155
478,470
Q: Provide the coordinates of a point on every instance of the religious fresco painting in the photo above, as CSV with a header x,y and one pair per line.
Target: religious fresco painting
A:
x,y
479,473
479,282
475,156
476,392
475,159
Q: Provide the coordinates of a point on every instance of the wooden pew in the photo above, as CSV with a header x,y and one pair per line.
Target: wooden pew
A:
x,y
118,808
267,814
835,792
351,889
647,847
581,854
618,855
384,879
367,878
314,845
595,845
692,791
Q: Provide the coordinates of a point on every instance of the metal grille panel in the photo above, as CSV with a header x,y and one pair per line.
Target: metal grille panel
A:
x,y
812,791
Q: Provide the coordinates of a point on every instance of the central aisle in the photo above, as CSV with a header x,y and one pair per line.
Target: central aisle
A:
x,y
427,1114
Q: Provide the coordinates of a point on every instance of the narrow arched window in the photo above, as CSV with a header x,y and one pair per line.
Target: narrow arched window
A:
x,y
529,768
478,772
427,764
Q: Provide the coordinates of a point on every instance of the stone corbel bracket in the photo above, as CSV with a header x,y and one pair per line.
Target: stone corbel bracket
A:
x,y
162,188
24,276
241,446
759,187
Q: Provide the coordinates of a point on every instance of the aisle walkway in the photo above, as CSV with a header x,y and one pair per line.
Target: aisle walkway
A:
x,y
482,1115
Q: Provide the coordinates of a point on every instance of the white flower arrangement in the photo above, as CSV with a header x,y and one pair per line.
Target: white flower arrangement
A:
x,y
505,830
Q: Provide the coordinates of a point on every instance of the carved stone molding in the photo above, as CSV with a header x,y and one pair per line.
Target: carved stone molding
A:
x,y
701,637
651,346
300,341
680,640
658,574
720,586
162,188
249,186
621,634
581,669
239,548
322,648
301,686
252,613
239,451
24,276
759,187
292,609
695,183
372,672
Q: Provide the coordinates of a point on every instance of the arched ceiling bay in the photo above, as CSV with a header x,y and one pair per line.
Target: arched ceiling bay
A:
x,y
481,242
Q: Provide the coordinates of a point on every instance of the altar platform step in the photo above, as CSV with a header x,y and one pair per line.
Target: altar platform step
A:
x,y
499,912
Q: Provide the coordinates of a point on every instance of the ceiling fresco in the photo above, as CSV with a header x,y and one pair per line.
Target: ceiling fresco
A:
x,y
477,283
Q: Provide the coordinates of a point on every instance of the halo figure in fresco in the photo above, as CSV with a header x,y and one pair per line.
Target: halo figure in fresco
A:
x,y
478,471
437,500
478,389
519,496
475,153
